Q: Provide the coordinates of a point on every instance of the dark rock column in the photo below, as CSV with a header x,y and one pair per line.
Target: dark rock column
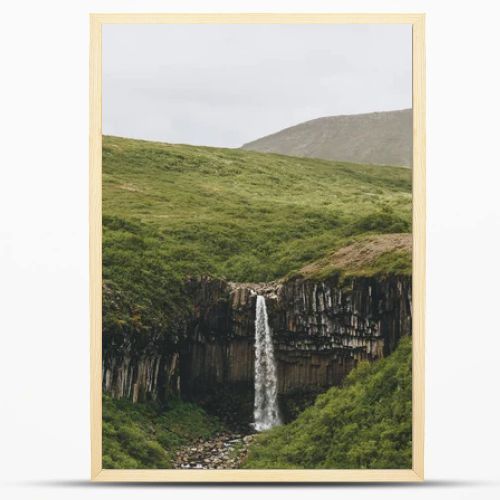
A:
x,y
321,330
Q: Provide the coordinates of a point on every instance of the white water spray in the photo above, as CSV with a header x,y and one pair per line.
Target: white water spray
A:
x,y
266,411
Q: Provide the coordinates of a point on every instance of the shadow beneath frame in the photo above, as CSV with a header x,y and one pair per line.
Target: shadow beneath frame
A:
x,y
436,483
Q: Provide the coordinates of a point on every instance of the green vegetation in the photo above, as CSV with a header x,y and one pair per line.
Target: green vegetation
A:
x,y
175,211
397,262
172,211
137,436
293,403
366,424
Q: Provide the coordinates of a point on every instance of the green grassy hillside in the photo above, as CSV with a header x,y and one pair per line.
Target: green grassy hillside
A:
x,y
146,436
172,211
366,424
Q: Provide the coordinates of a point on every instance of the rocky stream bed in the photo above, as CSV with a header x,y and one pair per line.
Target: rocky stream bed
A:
x,y
226,450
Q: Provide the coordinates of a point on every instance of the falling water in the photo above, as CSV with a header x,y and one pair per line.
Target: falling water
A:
x,y
266,411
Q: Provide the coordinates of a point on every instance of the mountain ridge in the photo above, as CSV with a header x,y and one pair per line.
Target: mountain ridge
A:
x,y
377,138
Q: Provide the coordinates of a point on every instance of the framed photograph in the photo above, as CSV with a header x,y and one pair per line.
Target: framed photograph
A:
x,y
257,247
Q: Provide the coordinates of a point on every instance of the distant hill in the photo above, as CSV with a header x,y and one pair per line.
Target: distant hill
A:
x,y
382,138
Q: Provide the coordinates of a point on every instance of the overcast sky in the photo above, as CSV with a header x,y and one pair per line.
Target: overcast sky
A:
x,y
224,85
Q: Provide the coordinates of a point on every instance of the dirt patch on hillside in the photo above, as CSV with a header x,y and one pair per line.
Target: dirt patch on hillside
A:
x,y
361,253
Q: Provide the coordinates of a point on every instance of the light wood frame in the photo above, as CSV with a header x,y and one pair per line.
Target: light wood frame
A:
x,y
206,476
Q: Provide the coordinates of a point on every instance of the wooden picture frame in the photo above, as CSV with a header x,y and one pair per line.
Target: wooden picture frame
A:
x,y
416,473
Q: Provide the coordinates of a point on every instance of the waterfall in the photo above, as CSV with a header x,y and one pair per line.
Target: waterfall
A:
x,y
266,411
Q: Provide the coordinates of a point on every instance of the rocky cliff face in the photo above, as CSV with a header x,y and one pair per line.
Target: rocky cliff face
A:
x,y
321,329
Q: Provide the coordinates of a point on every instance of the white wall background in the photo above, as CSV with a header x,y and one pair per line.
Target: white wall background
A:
x,y
44,431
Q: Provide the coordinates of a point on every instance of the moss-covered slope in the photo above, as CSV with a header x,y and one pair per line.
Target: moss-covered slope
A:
x,y
365,424
146,436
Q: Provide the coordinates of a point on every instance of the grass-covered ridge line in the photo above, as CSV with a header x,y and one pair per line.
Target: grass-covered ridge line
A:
x,y
365,424
172,211
146,436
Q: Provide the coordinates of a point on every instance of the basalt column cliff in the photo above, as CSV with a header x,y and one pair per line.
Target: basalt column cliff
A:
x,y
321,329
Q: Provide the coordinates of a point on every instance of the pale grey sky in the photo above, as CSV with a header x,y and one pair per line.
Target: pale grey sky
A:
x,y
224,85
